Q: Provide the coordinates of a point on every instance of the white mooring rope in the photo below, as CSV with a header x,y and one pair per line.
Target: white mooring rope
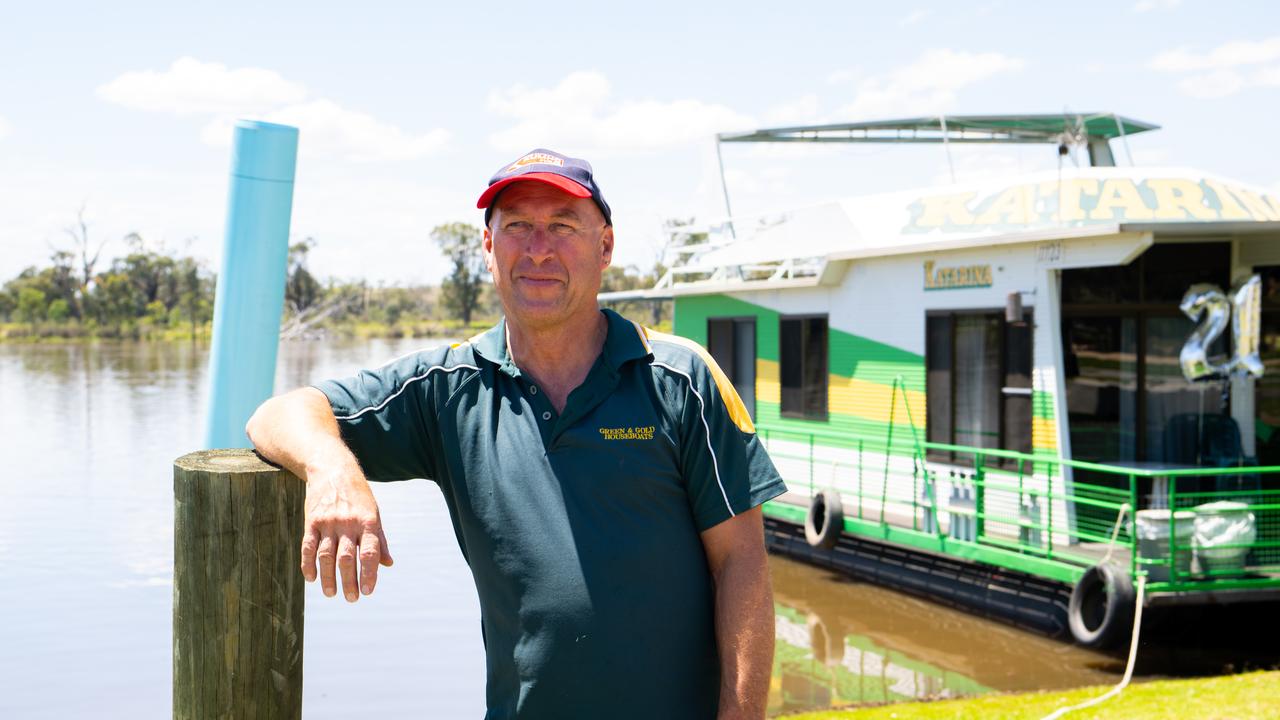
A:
x,y
1128,671
1115,532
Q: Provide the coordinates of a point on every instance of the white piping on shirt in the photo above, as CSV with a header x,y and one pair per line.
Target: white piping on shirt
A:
x,y
406,384
703,415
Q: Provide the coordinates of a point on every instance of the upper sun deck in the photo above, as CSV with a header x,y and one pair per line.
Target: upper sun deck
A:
x,y
795,247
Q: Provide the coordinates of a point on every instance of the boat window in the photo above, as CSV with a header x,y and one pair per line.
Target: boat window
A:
x,y
732,343
802,366
977,382
1267,388
1126,397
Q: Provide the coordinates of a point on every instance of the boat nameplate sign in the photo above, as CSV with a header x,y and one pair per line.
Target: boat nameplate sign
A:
x,y
1086,200
956,278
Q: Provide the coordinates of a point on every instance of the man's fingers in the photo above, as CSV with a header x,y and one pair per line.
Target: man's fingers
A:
x,y
326,556
370,556
309,542
386,549
347,566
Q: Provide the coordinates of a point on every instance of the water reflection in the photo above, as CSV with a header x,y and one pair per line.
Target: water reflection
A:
x,y
841,642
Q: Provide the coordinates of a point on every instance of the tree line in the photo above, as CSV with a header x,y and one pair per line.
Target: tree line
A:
x,y
156,292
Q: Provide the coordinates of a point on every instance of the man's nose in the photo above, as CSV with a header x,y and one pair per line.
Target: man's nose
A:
x,y
540,246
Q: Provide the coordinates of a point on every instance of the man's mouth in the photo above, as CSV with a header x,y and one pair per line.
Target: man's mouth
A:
x,y
537,280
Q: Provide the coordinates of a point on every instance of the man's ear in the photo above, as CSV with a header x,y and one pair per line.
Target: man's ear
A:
x,y
486,247
606,247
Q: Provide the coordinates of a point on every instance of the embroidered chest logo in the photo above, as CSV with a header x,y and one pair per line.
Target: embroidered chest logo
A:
x,y
628,433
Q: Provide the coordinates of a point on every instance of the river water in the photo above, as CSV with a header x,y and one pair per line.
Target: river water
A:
x,y
90,432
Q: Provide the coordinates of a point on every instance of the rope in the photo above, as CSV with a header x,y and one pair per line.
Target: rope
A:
x,y
1115,532
1128,671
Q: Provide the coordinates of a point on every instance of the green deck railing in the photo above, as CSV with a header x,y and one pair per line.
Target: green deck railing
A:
x,y
1045,515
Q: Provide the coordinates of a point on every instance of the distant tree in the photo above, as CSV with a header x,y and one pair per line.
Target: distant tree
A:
x,y
63,282
59,310
617,279
32,306
460,291
301,290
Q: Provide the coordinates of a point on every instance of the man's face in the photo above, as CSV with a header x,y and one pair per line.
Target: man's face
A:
x,y
546,250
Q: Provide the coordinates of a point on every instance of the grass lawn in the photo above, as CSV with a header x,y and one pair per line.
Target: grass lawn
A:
x,y
1237,697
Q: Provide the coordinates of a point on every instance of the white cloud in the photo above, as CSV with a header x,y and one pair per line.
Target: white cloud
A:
x,y
928,85
1228,55
1216,84
1148,5
914,17
193,87
190,87
843,76
327,129
801,111
580,115
1224,70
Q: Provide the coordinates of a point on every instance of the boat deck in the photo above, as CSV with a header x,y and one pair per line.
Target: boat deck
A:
x,y
1002,534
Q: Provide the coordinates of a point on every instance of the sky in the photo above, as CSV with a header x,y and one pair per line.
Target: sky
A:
x,y
405,109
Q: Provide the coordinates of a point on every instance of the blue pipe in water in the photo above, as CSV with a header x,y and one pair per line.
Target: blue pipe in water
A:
x,y
250,292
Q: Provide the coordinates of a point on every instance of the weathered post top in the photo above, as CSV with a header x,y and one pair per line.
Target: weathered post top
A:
x,y
237,587
226,461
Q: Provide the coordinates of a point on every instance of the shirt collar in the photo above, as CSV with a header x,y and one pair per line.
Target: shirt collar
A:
x,y
492,346
624,341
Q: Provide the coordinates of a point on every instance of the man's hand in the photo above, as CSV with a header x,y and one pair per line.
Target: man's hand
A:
x,y
298,430
342,525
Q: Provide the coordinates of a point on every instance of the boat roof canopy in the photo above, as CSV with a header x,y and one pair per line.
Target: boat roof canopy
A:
x,y
1072,127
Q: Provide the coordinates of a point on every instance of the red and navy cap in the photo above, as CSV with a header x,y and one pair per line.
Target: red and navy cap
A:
x,y
572,175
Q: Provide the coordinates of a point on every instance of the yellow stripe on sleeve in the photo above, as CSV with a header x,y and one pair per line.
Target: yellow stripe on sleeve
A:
x,y
737,410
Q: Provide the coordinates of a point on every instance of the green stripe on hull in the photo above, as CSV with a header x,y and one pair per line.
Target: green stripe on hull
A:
x,y
850,357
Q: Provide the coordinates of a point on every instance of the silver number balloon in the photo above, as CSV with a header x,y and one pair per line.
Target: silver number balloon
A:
x,y
1245,305
1204,299
1246,326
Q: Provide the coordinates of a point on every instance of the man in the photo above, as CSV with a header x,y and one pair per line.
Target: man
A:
x,y
603,481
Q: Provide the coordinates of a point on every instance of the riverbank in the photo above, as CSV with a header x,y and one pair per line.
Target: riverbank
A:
x,y
1244,696
75,332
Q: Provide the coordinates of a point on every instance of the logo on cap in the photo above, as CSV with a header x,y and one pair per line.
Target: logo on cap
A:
x,y
536,158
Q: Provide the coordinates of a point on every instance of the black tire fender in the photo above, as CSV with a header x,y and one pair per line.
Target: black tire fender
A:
x,y
1101,609
824,523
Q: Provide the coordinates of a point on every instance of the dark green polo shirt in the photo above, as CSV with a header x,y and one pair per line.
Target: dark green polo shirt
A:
x,y
581,528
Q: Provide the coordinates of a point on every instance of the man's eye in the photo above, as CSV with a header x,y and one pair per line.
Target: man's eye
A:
x,y
562,229
519,225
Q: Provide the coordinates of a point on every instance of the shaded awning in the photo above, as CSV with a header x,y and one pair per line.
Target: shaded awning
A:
x,y
957,129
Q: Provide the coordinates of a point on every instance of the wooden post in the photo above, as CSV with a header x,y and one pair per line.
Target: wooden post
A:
x,y
237,587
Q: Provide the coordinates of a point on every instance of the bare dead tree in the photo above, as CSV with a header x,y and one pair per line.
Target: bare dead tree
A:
x,y
83,248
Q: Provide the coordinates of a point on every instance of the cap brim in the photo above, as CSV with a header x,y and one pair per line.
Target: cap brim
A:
x,y
559,182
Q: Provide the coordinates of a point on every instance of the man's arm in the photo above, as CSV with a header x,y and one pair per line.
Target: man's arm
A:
x,y
298,431
744,613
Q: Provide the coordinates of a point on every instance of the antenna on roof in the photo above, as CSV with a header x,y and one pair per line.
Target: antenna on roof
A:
x,y
724,187
947,147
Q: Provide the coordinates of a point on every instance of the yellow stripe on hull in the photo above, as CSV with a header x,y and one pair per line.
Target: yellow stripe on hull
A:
x,y
848,396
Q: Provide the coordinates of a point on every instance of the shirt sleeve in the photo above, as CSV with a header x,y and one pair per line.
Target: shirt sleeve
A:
x,y
726,469
386,419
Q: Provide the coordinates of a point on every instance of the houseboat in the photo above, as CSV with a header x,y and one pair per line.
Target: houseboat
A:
x,y
1018,396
